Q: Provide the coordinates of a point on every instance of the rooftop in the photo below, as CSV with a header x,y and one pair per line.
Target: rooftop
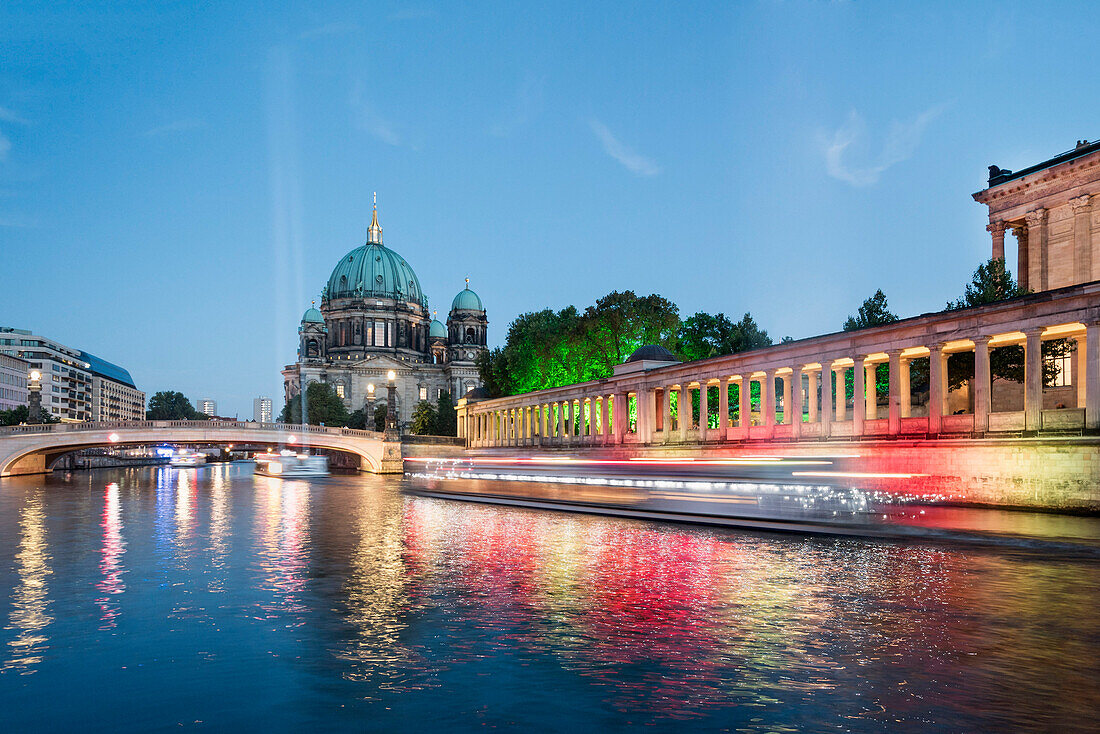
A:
x,y
998,176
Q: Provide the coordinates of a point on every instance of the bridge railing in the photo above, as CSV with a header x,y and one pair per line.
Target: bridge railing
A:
x,y
290,428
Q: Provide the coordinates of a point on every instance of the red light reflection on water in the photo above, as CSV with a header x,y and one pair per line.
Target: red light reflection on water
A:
x,y
110,558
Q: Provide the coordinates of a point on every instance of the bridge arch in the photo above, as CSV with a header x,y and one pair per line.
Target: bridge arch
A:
x,y
32,449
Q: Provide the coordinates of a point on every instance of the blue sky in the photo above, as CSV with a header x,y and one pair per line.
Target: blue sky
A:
x,y
176,181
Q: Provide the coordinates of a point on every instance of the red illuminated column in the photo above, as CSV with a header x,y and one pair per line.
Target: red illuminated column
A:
x,y
1092,376
937,387
767,400
827,396
704,408
723,408
811,396
796,402
906,388
893,414
744,395
981,384
859,401
1033,379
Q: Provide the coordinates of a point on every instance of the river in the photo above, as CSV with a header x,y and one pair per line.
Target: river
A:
x,y
209,599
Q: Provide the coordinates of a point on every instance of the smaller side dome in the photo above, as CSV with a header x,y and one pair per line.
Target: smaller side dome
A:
x,y
478,393
651,353
437,330
467,300
312,316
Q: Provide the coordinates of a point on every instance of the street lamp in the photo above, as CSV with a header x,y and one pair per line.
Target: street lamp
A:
x,y
34,397
391,401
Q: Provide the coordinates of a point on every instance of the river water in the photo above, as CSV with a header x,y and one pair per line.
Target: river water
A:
x,y
163,599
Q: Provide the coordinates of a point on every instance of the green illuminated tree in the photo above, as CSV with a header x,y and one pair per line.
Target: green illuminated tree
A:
x,y
703,335
991,283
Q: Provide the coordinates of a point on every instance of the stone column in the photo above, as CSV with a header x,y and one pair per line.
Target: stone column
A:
x,y
704,407
1080,368
788,410
796,402
723,408
744,410
1092,376
561,421
997,229
683,410
827,397
1037,247
666,413
841,393
937,387
1082,239
811,397
893,410
1022,266
1033,379
859,401
767,399
871,386
619,416
906,388
605,426
982,385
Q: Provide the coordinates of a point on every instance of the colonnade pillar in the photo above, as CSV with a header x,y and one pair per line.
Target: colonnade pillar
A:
x,y
620,414
723,408
937,387
893,410
859,400
841,394
811,397
906,387
796,403
767,399
1092,376
981,384
827,397
1033,379
683,410
704,408
788,413
744,410
870,384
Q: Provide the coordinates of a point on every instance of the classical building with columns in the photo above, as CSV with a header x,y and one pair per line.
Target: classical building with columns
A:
x,y
822,389
1051,209
373,322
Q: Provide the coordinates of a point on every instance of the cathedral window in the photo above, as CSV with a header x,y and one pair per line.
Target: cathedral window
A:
x,y
340,390
423,393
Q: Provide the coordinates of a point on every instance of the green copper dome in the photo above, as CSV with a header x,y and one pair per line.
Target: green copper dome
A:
x,y
467,300
313,316
437,330
374,271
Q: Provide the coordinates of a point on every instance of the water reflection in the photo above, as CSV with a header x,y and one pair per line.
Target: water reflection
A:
x,y
110,563
30,597
219,528
282,521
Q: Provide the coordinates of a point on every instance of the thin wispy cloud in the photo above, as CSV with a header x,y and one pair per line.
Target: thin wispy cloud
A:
x,y
176,126
630,159
527,106
851,141
7,115
367,119
328,29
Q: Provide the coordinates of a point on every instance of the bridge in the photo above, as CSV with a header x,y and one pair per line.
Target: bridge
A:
x,y
32,449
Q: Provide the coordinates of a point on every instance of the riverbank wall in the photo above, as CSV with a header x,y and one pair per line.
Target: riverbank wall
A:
x,y
1050,473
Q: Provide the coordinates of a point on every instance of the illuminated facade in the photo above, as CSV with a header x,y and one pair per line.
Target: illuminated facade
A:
x,y
13,382
374,320
76,386
261,410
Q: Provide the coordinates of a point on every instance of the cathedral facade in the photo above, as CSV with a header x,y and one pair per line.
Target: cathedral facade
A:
x,y
374,323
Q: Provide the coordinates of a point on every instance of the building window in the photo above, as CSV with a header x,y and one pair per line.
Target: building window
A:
x,y
340,390
1062,366
423,393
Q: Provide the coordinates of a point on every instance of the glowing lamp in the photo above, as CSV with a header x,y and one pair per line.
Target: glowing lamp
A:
x,y
113,438
36,375
292,439
391,375
370,388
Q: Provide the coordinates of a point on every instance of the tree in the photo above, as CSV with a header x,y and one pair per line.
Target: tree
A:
x,y
169,405
990,283
380,412
359,419
872,312
21,414
620,322
446,420
323,406
703,335
423,419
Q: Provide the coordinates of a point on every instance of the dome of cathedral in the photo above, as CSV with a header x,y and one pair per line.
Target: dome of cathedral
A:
x,y
374,271
437,330
467,300
312,316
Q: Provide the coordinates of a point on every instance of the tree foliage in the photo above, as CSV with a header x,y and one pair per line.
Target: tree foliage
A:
x,y
169,405
380,412
872,312
21,414
990,283
423,419
323,407
703,335
446,420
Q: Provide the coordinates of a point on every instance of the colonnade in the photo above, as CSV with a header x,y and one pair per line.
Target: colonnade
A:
x,y
827,387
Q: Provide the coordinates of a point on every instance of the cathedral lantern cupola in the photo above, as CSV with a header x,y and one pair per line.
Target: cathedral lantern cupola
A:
x,y
374,232
311,336
466,325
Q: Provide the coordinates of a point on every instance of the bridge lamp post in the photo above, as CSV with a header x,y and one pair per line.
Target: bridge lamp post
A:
x,y
34,397
391,401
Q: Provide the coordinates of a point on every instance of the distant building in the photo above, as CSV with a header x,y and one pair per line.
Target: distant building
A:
x,y
76,386
13,381
208,406
261,410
